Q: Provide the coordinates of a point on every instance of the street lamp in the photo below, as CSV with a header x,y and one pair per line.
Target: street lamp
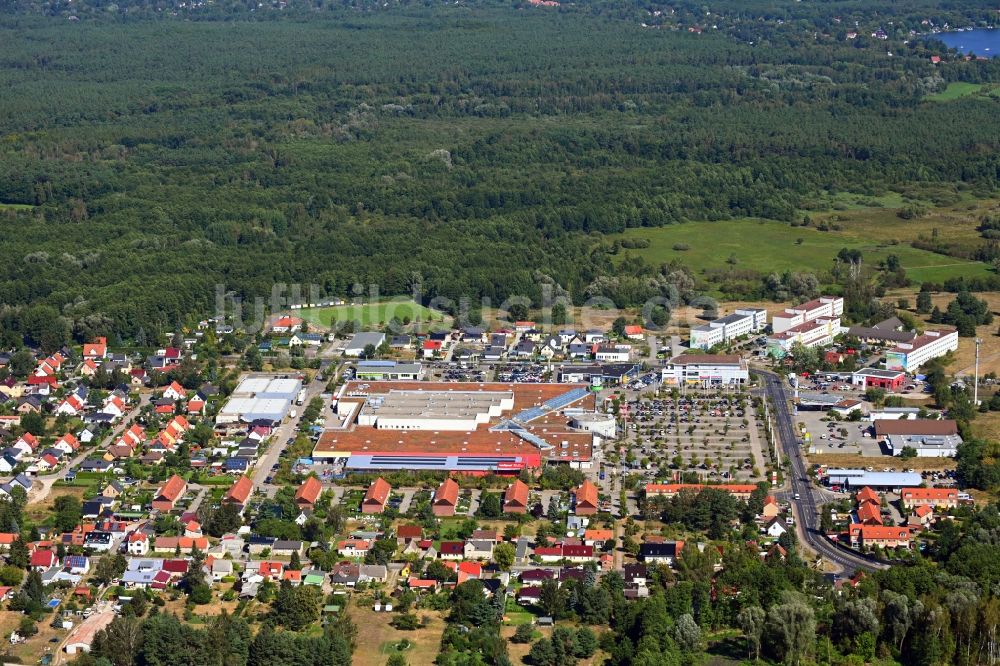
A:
x,y
975,386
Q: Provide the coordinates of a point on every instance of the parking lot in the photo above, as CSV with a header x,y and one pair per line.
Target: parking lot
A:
x,y
714,435
830,436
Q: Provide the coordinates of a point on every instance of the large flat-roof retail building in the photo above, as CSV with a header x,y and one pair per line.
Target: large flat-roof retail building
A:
x,y
470,427
705,370
260,398
859,478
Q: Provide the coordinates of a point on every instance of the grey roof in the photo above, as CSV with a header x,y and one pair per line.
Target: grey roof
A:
x,y
362,340
372,571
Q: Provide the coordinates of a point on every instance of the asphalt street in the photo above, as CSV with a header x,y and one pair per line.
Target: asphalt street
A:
x,y
810,497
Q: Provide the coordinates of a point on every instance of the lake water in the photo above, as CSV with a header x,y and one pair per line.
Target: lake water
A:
x,y
980,42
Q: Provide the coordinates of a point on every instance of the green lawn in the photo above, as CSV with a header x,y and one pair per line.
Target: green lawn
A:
x,y
372,314
955,90
767,246
11,206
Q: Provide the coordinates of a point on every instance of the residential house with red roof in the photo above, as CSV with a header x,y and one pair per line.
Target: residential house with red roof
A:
x,y
168,494
939,498
197,404
376,497
922,516
98,349
174,391
452,550
586,499
633,332
68,443
138,543
771,508
869,513
884,536
515,499
445,499
71,405
239,493
286,324
308,493
353,547
165,544
43,560
431,348
26,443
407,533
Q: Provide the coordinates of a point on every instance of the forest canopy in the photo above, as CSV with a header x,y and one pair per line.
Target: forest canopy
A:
x,y
146,158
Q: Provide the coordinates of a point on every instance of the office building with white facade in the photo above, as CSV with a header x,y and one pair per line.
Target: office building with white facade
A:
x,y
824,306
813,333
724,329
908,356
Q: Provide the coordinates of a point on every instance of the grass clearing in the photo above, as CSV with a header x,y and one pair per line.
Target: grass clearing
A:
x,y
848,460
986,426
372,314
39,511
769,246
956,90
377,639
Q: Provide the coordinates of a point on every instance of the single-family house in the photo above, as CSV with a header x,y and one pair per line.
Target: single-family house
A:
x,y
167,495
377,496
445,499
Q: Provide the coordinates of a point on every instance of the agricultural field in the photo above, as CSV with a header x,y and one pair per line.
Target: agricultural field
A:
x,y
770,246
372,315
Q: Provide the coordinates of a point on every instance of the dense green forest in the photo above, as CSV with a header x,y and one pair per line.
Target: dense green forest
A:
x,y
474,150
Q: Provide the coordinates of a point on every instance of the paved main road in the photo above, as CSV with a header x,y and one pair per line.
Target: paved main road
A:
x,y
810,499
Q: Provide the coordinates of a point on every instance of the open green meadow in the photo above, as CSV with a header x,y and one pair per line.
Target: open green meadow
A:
x,y
371,314
958,89
768,246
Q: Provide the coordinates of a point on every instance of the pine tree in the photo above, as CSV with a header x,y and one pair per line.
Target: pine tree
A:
x,y
19,556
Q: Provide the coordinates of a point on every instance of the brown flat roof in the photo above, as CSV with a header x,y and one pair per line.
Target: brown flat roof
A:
x,y
371,440
915,427
715,359
551,426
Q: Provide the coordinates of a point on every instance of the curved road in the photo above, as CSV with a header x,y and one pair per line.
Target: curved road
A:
x,y
808,505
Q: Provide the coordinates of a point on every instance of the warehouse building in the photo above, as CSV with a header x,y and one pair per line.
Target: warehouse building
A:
x,y
389,371
260,399
356,346
859,478
930,438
